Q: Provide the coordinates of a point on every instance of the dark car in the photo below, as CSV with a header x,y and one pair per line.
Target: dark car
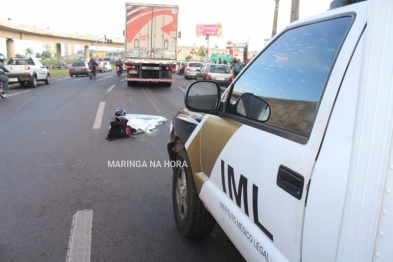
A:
x,y
181,68
79,68
57,66
220,73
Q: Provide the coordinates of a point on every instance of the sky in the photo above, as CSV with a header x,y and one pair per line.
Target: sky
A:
x,y
242,21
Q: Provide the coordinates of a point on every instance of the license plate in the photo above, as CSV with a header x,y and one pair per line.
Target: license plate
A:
x,y
220,78
13,80
133,71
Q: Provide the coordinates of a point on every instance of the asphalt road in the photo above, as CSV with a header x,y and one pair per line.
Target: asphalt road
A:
x,y
54,166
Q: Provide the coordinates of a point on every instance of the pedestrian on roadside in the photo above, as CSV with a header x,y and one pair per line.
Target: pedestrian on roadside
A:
x,y
219,60
237,67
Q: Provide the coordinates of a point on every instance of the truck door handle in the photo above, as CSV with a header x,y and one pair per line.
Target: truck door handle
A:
x,y
290,181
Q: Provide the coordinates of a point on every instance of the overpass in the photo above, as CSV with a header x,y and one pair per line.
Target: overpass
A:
x,y
11,30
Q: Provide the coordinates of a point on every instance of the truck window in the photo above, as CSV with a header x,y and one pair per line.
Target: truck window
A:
x,y
290,75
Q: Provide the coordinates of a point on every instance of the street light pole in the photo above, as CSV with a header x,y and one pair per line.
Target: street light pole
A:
x,y
207,50
294,10
274,30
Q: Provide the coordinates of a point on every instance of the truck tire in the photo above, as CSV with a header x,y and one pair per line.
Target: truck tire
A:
x,y
191,217
167,84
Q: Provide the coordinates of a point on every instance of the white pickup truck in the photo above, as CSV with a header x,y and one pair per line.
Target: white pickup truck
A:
x,y
295,162
27,70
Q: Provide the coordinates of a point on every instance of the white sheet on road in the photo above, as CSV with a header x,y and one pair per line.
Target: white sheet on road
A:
x,y
144,123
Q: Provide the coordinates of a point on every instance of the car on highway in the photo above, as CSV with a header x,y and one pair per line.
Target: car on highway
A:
x,y
220,73
190,69
103,66
27,70
107,66
180,68
79,68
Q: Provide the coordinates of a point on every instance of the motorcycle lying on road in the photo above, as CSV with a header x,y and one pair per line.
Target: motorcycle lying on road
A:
x,y
119,70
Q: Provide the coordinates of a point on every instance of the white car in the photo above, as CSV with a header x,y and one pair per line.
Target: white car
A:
x,y
296,164
104,66
27,70
190,69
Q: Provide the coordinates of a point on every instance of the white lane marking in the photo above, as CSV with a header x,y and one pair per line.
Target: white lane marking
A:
x,y
151,101
123,79
151,94
18,93
181,89
132,105
78,79
79,245
104,78
62,78
100,112
110,89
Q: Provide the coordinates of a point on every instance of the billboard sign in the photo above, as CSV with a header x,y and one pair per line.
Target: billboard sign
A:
x,y
230,44
211,30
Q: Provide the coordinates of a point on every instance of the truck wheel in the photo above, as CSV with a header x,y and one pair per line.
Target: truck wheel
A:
x,y
34,82
129,83
191,217
167,84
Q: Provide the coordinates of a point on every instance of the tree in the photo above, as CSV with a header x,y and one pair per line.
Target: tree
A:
x,y
179,51
29,51
201,53
45,54
188,58
38,55
193,52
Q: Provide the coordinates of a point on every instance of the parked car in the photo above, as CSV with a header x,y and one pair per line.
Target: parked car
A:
x,y
191,69
57,66
296,163
79,68
220,73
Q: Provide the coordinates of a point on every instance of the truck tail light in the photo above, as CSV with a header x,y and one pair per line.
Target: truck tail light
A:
x,y
27,67
130,66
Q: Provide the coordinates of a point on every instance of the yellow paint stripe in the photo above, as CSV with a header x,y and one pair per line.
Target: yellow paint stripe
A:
x,y
204,149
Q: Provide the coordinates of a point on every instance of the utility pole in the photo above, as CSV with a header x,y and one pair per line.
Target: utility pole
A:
x,y
274,30
294,10
207,49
